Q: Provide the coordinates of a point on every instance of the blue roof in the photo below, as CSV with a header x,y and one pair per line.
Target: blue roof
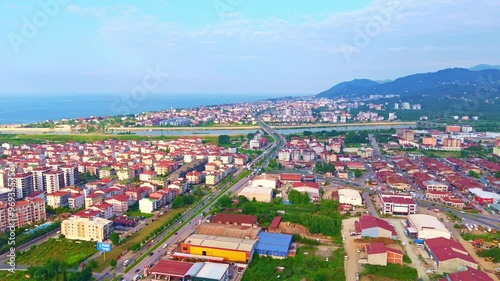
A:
x,y
273,244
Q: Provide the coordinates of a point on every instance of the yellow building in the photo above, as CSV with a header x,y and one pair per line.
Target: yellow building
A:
x,y
230,249
88,229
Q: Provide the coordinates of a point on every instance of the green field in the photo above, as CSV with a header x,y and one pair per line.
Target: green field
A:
x,y
72,252
16,276
17,139
391,271
300,267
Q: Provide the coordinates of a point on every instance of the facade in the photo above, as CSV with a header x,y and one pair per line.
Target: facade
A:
x,y
148,205
58,199
269,181
28,211
120,203
376,254
76,201
369,226
87,229
426,227
429,141
397,204
350,196
432,185
275,245
261,194
24,185
70,175
54,180
230,249
39,178
449,255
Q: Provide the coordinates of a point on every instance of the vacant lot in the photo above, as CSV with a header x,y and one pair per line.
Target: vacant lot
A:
x,y
16,276
394,272
72,252
306,264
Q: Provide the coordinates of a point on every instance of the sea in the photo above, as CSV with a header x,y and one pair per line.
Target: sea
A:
x,y
26,109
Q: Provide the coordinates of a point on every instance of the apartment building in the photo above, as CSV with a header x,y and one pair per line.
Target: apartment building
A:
x,y
54,180
70,175
58,199
27,212
87,229
39,183
24,185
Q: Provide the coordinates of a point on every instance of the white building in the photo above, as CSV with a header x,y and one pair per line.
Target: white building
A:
x,y
261,194
264,180
426,227
148,205
87,229
350,196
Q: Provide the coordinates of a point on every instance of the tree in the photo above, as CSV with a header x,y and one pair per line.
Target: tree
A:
x,y
358,173
250,136
497,175
242,200
473,174
112,262
178,202
249,208
296,197
223,140
225,201
114,238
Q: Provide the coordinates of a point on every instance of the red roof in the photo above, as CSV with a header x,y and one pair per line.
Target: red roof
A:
x,y
366,222
234,218
447,249
394,251
291,177
375,248
275,223
171,268
469,274
305,184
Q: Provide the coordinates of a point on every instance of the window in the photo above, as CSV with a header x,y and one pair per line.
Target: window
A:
x,y
204,253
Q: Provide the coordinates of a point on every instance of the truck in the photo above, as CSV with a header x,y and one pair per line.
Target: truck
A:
x,y
418,241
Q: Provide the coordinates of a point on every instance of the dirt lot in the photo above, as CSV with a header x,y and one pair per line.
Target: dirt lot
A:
x,y
351,264
292,228
375,278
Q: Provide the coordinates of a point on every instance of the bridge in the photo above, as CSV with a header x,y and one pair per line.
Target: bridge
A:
x,y
427,124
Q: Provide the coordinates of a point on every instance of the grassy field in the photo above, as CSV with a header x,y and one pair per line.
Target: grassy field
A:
x,y
72,252
391,271
17,139
135,238
300,267
16,276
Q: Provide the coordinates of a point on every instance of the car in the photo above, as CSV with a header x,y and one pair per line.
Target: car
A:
x,y
151,253
176,233
137,270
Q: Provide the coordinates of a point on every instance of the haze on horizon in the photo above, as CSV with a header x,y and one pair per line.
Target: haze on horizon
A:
x,y
237,46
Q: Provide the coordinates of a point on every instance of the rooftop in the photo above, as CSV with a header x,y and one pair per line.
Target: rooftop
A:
x,y
171,268
214,271
221,242
234,231
422,222
234,218
447,249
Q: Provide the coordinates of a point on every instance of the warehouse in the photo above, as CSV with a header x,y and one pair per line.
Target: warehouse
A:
x,y
234,231
370,226
236,219
426,227
212,272
484,197
449,255
264,180
350,196
261,194
231,249
274,245
311,188
379,254
170,269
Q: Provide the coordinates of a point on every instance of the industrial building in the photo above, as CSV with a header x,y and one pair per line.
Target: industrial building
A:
x,y
350,196
233,231
266,180
379,254
260,193
275,245
200,271
397,204
236,219
426,227
484,197
448,255
230,249
469,274
369,226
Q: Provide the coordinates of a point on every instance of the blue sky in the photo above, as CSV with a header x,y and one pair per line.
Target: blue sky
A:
x,y
236,46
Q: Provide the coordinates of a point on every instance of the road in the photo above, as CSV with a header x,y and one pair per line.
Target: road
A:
x,y
188,228
376,148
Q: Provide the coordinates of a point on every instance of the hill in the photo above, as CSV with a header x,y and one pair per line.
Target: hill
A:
x,y
450,91
484,66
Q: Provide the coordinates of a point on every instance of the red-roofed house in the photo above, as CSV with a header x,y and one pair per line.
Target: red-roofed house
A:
x,y
58,199
449,255
119,202
76,201
379,254
105,210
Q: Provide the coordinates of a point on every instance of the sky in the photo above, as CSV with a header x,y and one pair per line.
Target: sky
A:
x,y
236,46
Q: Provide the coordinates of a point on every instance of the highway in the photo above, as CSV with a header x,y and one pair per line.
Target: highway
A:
x,y
188,228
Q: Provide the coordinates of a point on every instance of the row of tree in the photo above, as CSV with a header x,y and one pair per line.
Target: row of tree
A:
x,y
61,270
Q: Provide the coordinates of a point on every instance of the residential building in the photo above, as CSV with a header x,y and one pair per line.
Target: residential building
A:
x,y
148,205
76,201
54,180
58,199
120,203
87,229
70,175
429,141
24,185
39,179
28,211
